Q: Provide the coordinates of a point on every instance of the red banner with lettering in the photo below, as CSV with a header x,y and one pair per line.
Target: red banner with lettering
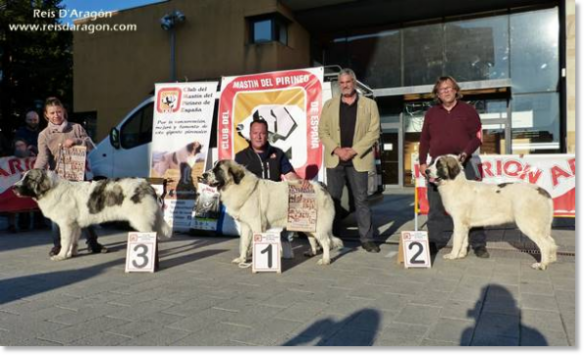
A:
x,y
290,102
11,169
554,173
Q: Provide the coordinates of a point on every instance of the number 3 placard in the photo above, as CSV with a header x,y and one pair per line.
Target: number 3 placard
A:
x,y
266,255
416,249
141,252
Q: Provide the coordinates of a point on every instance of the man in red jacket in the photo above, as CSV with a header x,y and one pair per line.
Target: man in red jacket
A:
x,y
450,127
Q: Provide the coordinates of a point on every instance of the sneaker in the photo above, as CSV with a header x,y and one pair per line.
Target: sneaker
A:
x,y
96,248
370,247
54,251
481,252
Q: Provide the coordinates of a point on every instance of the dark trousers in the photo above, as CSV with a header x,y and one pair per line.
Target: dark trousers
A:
x,y
438,222
89,233
359,186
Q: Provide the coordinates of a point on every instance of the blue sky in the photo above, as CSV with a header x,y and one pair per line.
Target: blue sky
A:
x,y
104,5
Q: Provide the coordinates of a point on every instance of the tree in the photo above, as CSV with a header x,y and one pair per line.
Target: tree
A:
x,y
34,63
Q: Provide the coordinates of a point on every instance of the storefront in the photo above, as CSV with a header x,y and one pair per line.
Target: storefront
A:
x,y
508,64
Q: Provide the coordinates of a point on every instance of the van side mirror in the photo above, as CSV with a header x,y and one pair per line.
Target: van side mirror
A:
x,y
115,138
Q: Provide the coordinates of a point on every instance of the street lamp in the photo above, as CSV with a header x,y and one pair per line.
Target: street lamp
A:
x,y
168,23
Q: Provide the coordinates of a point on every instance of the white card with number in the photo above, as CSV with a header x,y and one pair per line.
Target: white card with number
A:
x,y
140,253
266,248
416,249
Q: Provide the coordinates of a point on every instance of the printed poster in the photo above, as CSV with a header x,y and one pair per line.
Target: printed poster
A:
x,y
290,102
71,163
181,134
302,215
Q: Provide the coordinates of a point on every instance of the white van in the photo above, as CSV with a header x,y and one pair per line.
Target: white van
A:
x,y
126,151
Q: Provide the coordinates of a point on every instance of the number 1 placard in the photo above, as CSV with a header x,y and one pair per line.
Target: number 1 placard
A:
x,y
266,255
141,252
415,249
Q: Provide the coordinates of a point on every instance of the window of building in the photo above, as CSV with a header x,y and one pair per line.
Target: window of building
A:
x,y
268,28
536,123
535,51
424,55
477,49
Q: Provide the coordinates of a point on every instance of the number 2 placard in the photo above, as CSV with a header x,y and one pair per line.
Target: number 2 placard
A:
x,y
266,255
140,253
416,249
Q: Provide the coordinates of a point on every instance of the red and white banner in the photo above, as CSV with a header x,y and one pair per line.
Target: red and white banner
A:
x,y
11,168
556,173
290,102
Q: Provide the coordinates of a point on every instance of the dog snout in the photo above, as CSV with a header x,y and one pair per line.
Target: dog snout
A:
x,y
427,172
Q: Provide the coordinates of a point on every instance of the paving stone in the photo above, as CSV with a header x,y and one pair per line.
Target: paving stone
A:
x,y
539,302
463,310
269,333
494,340
542,320
350,337
398,334
71,333
220,334
101,339
302,311
164,336
497,325
535,337
202,319
418,314
456,331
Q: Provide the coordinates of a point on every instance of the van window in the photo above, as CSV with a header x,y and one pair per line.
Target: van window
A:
x,y
138,130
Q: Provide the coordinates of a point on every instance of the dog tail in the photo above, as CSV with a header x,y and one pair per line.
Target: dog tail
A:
x,y
337,243
164,229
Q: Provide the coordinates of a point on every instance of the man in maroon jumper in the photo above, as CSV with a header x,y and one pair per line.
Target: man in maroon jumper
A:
x,y
450,127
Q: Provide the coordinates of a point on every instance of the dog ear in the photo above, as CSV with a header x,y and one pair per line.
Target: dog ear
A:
x,y
453,168
237,175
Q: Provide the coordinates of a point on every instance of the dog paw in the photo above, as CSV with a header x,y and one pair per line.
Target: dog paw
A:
x,y
539,266
238,260
323,262
450,256
57,258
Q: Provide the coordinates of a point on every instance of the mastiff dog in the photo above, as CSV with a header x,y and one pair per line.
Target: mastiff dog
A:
x,y
75,205
259,205
478,204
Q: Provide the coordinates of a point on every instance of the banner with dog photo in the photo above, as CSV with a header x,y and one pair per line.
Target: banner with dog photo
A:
x,y
555,173
182,126
290,102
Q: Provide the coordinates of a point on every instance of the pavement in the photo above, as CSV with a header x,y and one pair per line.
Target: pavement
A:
x,y
198,298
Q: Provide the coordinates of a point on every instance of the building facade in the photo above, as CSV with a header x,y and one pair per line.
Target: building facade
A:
x,y
514,59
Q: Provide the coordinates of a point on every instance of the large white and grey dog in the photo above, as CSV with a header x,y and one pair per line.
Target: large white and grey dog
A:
x,y
259,205
478,204
75,205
